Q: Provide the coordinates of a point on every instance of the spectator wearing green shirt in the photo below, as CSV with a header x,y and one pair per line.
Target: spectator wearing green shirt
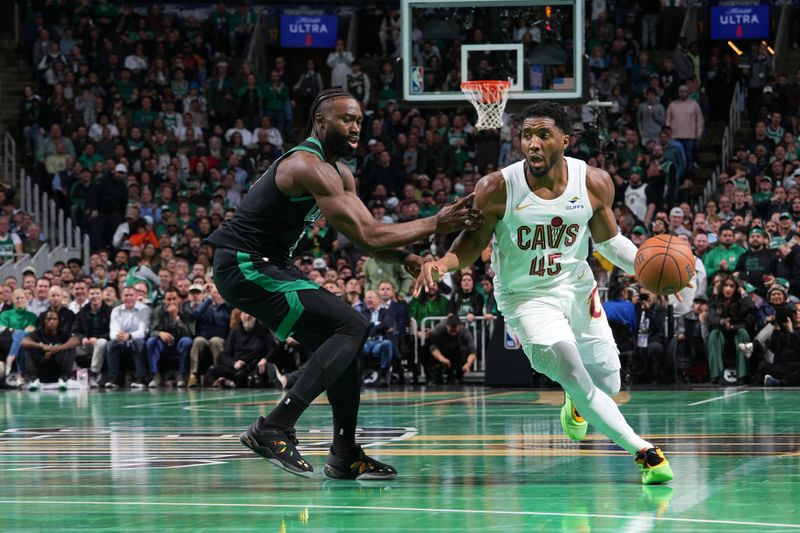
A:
x,y
724,255
125,85
146,115
428,205
630,153
19,322
275,101
89,158
425,305
218,21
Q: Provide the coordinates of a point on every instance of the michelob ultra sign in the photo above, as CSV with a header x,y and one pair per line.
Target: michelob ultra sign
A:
x,y
309,31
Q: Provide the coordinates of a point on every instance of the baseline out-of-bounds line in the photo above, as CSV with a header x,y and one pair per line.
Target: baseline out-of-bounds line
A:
x,y
398,509
724,397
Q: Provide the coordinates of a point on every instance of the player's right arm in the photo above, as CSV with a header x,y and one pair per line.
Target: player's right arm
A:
x,y
343,209
490,198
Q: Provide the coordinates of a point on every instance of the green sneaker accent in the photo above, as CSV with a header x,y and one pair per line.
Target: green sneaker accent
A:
x,y
654,466
572,428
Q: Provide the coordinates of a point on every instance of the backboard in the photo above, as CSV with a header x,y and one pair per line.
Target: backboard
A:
x,y
536,45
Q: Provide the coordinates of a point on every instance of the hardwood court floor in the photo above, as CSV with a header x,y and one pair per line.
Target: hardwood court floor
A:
x,y
473,459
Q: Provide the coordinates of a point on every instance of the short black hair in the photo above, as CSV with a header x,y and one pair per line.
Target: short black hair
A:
x,y
550,110
325,96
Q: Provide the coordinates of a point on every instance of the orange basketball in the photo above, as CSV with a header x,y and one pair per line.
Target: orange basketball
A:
x,y
664,264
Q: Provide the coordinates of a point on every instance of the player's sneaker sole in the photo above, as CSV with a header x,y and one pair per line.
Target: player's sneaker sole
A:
x,y
359,467
575,427
279,450
654,466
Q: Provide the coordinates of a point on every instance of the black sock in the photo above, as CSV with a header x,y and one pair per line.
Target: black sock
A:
x,y
285,414
344,439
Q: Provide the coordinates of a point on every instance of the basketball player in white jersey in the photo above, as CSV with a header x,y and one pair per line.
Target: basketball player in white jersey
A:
x,y
539,211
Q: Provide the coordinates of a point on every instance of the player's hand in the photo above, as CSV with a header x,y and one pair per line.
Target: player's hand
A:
x,y
238,364
459,215
428,277
679,296
413,263
262,365
466,368
291,341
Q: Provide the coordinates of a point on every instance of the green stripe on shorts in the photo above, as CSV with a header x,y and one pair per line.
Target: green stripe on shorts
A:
x,y
288,288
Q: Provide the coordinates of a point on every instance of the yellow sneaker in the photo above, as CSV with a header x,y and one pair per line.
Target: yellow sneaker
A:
x,y
574,425
654,466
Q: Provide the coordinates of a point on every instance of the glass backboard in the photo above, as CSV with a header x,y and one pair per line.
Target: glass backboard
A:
x,y
536,45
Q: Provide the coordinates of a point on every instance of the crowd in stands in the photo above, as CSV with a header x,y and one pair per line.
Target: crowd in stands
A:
x,y
148,128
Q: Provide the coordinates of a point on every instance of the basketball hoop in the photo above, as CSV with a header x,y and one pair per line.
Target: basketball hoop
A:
x,y
489,98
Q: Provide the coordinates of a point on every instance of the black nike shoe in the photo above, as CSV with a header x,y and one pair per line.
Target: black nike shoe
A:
x,y
278,446
357,465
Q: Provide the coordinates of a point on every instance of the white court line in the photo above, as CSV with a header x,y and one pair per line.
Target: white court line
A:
x,y
398,509
725,397
191,401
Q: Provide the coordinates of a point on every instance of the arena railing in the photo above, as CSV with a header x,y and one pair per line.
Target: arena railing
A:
x,y
783,45
257,50
57,228
9,160
42,261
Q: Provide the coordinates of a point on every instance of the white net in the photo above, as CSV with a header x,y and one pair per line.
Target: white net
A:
x,y
489,98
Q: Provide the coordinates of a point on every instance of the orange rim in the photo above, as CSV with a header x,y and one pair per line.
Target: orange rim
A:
x,y
491,90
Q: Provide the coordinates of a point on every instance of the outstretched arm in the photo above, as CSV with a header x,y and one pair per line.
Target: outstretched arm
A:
x,y
610,242
337,200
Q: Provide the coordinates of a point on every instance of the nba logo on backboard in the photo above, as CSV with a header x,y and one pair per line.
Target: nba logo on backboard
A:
x,y
417,82
511,341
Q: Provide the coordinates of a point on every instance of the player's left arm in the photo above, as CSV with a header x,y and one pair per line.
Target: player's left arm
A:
x,y
609,241
411,262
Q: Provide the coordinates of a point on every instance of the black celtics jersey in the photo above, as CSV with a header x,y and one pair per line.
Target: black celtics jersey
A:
x,y
268,223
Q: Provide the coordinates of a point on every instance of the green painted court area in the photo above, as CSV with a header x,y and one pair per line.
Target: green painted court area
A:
x,y
473,459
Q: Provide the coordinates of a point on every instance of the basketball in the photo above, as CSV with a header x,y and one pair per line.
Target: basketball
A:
x,y
664,264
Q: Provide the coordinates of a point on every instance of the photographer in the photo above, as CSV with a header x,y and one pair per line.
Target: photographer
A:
x,y
766,319
731,316
785,344
652,316
247,349
691,332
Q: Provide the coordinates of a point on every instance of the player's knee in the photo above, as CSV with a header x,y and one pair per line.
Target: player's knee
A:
x,y
611,384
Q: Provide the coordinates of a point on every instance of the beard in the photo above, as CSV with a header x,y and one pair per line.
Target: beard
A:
x,y
538,172
337,143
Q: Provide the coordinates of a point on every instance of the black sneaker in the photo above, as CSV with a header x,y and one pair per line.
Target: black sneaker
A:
x,y
278,446
357,466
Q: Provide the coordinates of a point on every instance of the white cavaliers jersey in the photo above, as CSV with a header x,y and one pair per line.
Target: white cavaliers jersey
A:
x,y
541,245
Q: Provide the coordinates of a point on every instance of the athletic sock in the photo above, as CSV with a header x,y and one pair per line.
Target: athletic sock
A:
x,y
285,414
344,440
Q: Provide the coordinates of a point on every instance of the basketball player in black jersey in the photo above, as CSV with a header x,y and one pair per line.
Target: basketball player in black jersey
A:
x,y
253,271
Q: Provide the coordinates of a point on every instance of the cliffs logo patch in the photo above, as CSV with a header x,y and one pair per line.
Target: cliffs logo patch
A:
x,y
572,203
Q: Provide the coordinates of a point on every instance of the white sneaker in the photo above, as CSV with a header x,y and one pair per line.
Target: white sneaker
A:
x,y
34,385
62,385
181,383
155,382
110,385
137,385
93,383
746,348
